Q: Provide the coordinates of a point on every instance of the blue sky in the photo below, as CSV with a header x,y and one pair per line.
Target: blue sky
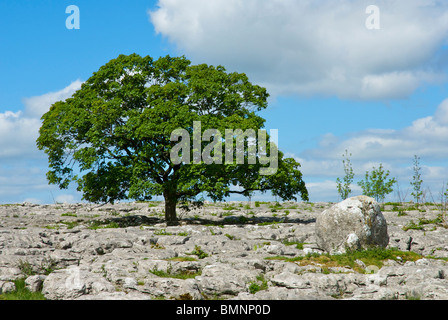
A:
x,y
334,83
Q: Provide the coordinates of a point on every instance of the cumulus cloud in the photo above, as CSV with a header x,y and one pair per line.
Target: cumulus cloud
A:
x,y
17,134
425,136
314,47
23,166
19,130
395,149
35,107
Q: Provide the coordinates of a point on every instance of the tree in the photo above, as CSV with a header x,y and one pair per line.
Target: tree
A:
x,y
343,186
375,184
417,181
113,137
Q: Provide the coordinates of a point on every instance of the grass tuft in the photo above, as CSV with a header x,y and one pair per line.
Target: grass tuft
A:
x,y
375,256
22,293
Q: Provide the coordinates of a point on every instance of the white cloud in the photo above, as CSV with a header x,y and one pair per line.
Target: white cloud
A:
x,y
35,107
17,135
313,47
425,136
395,149
22,165
19,130
66,198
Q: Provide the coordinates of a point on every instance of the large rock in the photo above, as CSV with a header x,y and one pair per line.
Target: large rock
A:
x,y
73,282
355,223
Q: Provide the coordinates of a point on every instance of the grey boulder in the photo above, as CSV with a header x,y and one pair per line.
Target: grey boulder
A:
x,y
355,223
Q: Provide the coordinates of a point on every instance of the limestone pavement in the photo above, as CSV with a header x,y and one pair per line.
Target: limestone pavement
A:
x,y
231,250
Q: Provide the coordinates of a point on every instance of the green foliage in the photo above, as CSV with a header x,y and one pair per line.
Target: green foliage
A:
x,y
417,181
69,214
96,224
199,252
170,274
162,232
229,207
438,221
22,293
299,245
113,136
343,185
376,184
258,285
46,267
231,237
374,256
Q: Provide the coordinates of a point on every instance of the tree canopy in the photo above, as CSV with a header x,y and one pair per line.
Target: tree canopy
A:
x,y
113,137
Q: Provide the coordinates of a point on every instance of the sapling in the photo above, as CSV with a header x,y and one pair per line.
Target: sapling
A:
x,y
417,181
376,184
343,186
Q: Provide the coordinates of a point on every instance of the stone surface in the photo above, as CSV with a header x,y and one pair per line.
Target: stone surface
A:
x,y
35,283
73,282
126,252
353,224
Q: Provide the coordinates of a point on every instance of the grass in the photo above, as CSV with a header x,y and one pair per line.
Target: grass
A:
x,y
413,226
376,257
299,245
46,267
22,293
94,225
268,223
229,207
69,214
198,252
71,224
162,232
258,285
180,275
439,221
182,259
231,237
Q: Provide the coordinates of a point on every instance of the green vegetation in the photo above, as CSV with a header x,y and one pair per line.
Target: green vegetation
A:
x,y
22,293
162,232
343,185
119,131
417,181
438,221
180,275
299,245
258,285
376,184
46,267
376,257
198,252
96,224
69,214
182,259
231,237
229,207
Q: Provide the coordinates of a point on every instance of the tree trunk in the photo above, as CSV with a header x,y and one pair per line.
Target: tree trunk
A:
x,y
170,210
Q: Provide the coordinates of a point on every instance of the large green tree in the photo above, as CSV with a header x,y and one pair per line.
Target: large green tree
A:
x,y
113,137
